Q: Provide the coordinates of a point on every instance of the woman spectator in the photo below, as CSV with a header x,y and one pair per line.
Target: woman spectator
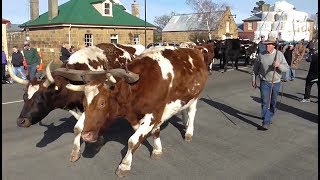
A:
x,y
17,62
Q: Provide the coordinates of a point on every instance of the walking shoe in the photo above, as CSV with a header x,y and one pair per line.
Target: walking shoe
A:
x,y
305,100
265,127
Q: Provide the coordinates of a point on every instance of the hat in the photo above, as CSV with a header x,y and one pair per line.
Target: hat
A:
x,y
26,43
270,40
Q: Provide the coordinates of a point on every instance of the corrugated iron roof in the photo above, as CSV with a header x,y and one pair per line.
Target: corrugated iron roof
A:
x,y
4,21
255,17
14,28
191,22
83,12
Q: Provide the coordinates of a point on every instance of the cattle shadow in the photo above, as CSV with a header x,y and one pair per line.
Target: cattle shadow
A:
x,y
54,132
231,111
119,132
290,109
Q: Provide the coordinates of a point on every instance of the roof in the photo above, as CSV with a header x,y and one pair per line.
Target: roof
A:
x,y
240,27
5,21
191,22
254,17
14,28
83,12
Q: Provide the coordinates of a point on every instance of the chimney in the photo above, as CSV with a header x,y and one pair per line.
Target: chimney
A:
x,y
53,9
265,7
135,9
34,9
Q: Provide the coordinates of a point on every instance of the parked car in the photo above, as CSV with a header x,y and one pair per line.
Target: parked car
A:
x,y
155,44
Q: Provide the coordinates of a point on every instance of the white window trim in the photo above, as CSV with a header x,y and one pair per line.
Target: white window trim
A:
x,y
251,27
103,8
136,38
88,38
114,36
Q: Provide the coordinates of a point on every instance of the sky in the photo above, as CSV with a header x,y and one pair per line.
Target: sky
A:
x,y
17,11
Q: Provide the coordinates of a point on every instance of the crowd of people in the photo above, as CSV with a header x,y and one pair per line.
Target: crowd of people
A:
x,y
26,62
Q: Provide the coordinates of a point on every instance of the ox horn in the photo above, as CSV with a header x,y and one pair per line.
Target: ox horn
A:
x,y
49,79
75,87
129,77
14,77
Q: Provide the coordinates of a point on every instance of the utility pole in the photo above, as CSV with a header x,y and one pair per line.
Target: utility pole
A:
x,y
145,23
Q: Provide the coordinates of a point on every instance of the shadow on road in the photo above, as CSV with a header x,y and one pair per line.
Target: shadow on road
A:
x,y
298,112
119,132
234,112
54,132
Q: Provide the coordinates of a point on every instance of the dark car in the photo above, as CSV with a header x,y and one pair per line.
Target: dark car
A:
x,y
155,44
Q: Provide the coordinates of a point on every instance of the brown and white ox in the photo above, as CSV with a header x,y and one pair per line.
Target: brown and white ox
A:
x,y
206,48
42,96
170,80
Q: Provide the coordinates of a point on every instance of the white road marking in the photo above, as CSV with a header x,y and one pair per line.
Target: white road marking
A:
x,y
11,102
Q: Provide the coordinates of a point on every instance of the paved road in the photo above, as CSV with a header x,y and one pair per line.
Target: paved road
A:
x,y
226,143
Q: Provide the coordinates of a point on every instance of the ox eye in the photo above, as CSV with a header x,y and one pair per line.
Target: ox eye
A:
x,y
102,103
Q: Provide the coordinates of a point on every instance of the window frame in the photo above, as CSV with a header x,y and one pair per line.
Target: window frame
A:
x,y
88,39
104,8
136,39
114,37
250,26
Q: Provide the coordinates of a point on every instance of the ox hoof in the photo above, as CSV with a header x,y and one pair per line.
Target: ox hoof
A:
x,y
188,137
74,156
156,156
122,173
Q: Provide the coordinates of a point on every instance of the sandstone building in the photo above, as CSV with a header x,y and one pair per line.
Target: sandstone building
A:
x,y
181,27
80,23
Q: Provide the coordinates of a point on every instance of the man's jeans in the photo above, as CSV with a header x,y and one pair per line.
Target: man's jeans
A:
x,y
32,70
290,73
20,69
265,88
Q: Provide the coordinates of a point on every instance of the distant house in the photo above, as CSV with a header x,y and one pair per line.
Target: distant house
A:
x,y
4,35
181,27
281,20
81,23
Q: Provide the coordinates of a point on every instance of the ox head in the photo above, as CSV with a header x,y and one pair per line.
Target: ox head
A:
x,y
38,97
99,101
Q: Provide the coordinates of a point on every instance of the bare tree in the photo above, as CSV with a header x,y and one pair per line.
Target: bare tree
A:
x,y
205,10
258,7
163,20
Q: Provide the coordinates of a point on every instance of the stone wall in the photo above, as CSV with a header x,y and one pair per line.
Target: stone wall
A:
x,y
49,40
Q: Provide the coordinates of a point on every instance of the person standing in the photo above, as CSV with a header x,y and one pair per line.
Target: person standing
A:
x,y
312,76
17,62
261,45
291,73
65,54
32,58
4,63
298,54
268,68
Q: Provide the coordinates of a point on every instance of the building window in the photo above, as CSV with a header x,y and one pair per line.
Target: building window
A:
x,y
249,26
136,39
114,38
227,27
107,8
88,40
